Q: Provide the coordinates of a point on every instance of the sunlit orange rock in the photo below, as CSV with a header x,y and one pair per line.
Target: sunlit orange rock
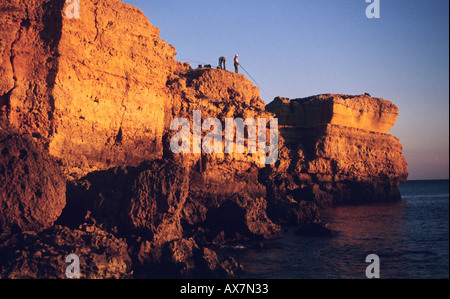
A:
x,y
93,88
99,93
112,105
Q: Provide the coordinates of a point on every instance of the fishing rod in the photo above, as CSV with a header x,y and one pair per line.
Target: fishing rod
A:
x,y
253,79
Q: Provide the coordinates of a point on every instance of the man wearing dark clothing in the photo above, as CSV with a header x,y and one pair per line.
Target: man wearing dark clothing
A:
x,y
222,62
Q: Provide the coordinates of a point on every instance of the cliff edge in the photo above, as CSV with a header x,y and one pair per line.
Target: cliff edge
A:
x,y
94,98
341,148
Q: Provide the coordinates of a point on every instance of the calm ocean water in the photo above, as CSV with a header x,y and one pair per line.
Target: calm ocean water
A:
x,y
411,237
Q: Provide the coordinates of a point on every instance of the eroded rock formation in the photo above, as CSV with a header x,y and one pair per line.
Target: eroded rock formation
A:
x,y
87,87
360,112
99,93
33,188
43,256
342,153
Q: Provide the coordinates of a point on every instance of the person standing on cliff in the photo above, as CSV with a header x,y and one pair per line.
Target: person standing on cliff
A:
x,y
236,64
222,63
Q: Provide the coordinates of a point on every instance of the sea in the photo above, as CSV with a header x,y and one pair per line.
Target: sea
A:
x,y
410,238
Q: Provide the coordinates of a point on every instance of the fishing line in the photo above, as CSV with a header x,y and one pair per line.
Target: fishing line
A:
x,y
253,79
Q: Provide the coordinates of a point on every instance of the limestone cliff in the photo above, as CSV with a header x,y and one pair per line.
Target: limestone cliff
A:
x,y
87,87
98,94
32,188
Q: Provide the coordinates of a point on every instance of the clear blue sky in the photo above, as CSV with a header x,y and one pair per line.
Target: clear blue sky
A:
x,y
298,48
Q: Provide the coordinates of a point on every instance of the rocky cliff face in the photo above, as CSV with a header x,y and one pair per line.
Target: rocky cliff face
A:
x,y
30,34
87,87
360,112
32,189
98,95
112,105
340,149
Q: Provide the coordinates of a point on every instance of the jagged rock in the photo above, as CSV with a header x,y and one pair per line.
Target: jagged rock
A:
x,y
43,255
147,199
291,212
32,192
221,94
357,155
242,217
190,260
100,92
29,35
111,110
232,267
315,229
185,258
151,201
88,86
180,254
341,162
219,91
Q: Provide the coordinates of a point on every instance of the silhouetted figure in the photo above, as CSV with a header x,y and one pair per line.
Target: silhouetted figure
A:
x,y
222,63
236,64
